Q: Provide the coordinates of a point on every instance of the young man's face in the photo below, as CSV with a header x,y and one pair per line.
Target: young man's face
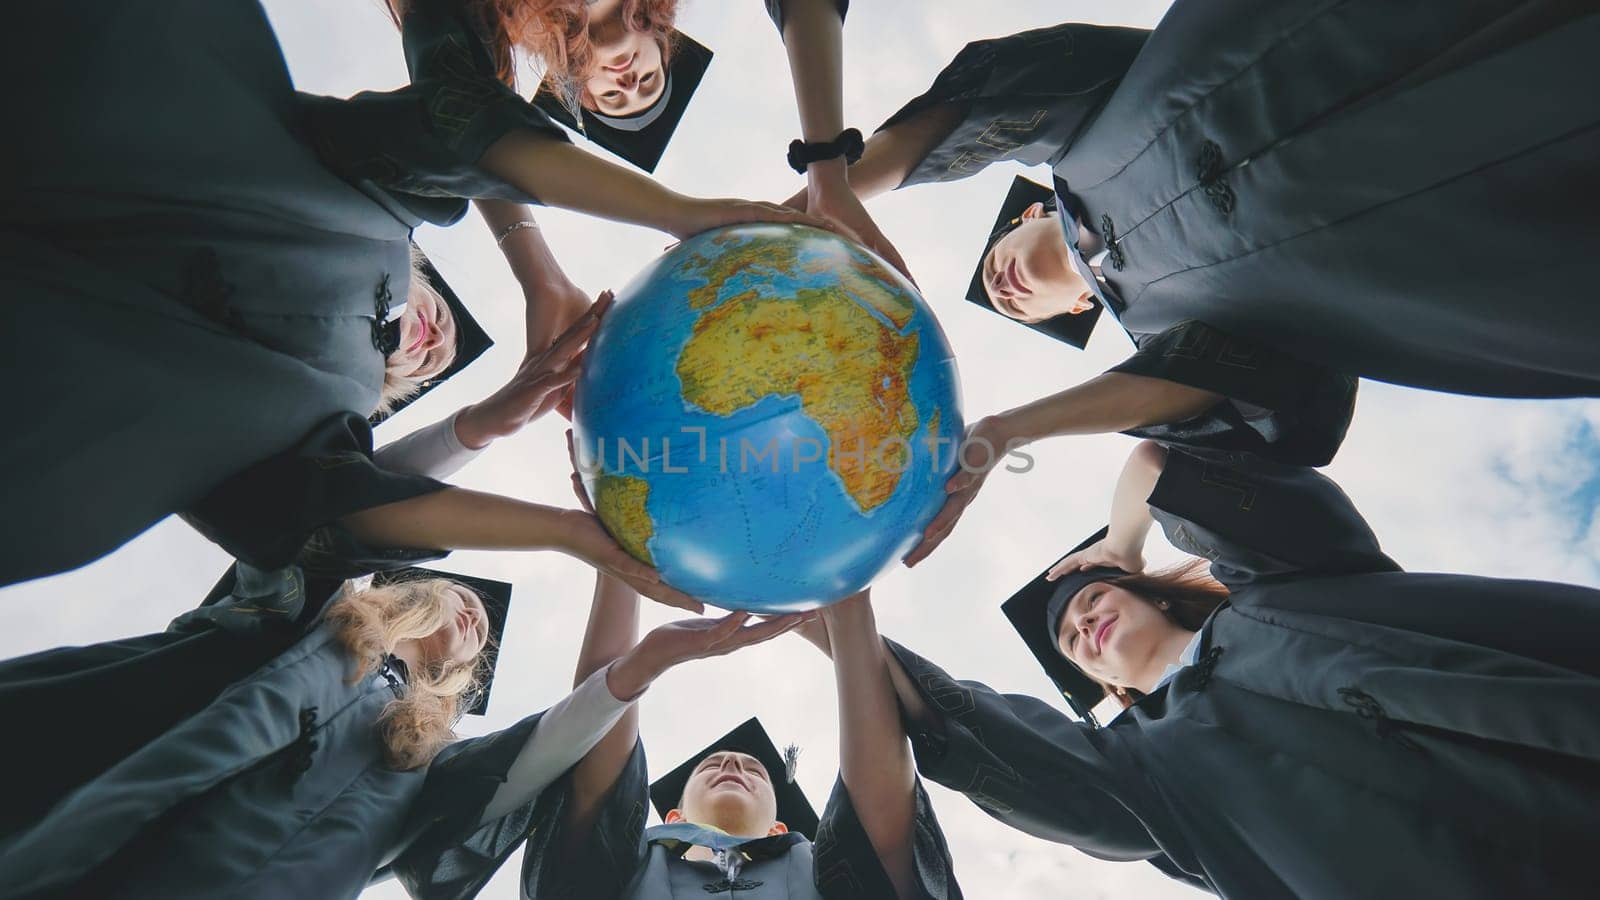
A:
x,y
1028,273
731,791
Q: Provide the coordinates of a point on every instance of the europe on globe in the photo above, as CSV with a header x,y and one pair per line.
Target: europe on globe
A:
x,y
767,415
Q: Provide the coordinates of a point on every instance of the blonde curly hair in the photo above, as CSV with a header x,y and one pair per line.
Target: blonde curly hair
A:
x,y
370,622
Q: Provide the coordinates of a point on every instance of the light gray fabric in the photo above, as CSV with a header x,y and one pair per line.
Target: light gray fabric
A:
x,y
432,450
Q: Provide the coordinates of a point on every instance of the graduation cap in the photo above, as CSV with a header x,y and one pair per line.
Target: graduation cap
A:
x,y
794,811
1033,611
471,340
1067,328
642,137
496,597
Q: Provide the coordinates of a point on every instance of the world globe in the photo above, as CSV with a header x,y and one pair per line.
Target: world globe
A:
x,y
767,415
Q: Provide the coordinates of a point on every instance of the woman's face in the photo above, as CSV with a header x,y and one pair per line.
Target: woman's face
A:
x,y
427,336
464,633
630,76
1116,636
1028,274
732,791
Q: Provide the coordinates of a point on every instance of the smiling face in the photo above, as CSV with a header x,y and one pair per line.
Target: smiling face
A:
x,y
465,631
1028,273
1117,637
629,75
731,791
427,334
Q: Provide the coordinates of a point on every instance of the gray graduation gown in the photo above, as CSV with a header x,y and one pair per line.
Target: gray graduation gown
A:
x,y
1391,193
191,287
620,862
1350,730
277,788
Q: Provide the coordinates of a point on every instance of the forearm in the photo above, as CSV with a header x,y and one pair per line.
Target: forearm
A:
x,y
527,254
612,631
459,519
813,36
613,627
565,176
874,757
1108,403
1130,509
565,734
892,154
437,451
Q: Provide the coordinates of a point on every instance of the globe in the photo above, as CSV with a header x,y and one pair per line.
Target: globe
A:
x,y
767,415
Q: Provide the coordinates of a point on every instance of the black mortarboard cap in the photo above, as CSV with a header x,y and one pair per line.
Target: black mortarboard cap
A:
x,y
641,138
794,811
496,596
1069,329
471,340
1030,612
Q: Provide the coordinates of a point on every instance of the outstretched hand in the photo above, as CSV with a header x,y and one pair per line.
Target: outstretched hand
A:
x,y
1100,553
837,203
984,446
689,639
543,382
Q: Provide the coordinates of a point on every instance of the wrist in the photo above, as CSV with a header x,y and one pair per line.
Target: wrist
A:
x,y
470,429
828,176
1009,430
627,678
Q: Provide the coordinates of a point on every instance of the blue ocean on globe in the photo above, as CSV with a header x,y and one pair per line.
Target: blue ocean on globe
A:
x,y
768,415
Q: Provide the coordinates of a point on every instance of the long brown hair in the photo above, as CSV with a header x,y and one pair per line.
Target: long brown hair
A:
x,y
1185,593
556,32
371,622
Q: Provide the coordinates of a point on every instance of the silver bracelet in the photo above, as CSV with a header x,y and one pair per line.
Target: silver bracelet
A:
x,y
514,227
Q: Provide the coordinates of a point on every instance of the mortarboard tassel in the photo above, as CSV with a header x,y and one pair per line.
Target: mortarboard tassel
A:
x,y
791,762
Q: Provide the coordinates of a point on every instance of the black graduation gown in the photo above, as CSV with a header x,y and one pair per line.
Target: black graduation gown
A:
x,y
619,862
1349,730
1390,195
192,287
137,688
276,787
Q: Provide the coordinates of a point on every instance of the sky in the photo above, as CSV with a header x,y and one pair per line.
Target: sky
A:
x,y
1451,484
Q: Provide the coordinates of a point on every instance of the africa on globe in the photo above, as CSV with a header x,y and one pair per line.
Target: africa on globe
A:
x,y
768,416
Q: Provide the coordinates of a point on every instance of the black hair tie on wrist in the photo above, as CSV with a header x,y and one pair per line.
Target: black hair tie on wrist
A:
x,y
848,144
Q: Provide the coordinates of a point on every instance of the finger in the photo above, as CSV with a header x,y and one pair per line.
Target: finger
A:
x,y
620,563
583,496
962,480
763,631
883,248
669,596
1061,568
936,532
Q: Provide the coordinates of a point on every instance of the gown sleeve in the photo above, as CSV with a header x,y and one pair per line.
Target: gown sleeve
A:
x,y
1025,96
775,10
1024,763
602,864
1257,521
433,450
454,850
846,867
270,513
1275,406
422,142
